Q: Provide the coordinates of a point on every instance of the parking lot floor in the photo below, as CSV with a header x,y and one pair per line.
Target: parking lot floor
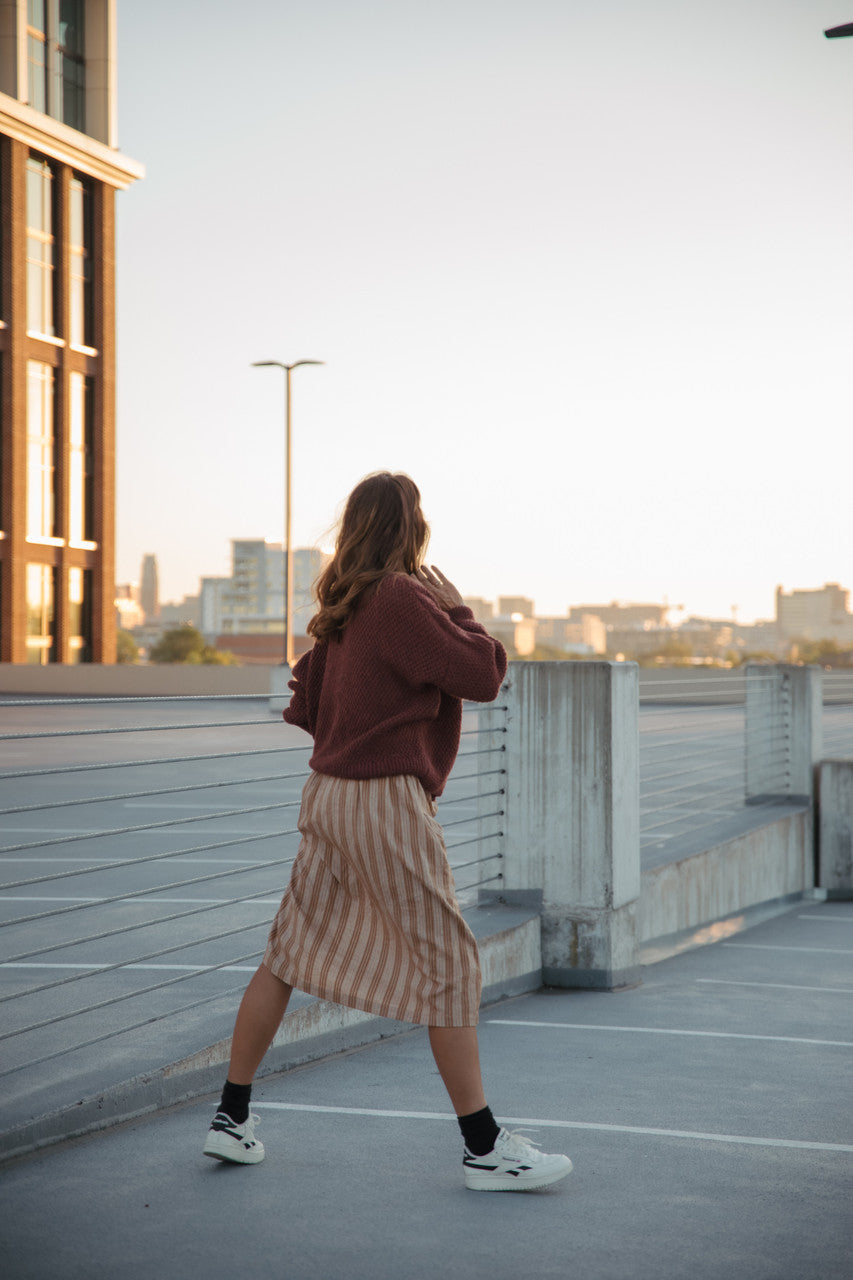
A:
x,y
707,1112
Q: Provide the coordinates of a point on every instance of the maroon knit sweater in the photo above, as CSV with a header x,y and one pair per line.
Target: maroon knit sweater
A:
x,y
386,698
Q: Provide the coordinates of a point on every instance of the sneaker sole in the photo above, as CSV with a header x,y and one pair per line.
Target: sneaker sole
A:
x,y
505,1182
230,1154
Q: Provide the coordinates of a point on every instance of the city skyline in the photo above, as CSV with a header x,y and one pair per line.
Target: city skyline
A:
x,y
604,600
581,270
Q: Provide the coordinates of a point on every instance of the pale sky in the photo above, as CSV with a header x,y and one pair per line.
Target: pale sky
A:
x,y
583,268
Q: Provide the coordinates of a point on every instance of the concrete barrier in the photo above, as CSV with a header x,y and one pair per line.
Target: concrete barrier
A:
x,y
764,868
572,815
835,829
90,680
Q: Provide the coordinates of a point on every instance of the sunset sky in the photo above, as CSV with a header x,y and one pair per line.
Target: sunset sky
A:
x,y
583,268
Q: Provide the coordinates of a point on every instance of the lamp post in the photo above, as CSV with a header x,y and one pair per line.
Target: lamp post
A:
x,y
288,541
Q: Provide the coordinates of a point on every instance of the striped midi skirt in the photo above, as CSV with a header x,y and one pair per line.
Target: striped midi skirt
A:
x,y
370,917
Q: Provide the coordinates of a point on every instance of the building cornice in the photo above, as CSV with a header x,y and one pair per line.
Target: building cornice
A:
x,y
69,146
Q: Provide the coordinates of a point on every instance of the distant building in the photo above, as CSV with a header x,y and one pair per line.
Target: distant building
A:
x,y
623,615
245,612
516,633
128,609
59,171
516,604
149,589
587,636
821,614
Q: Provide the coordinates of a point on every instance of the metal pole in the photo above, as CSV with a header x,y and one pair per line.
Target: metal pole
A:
x,y
288,539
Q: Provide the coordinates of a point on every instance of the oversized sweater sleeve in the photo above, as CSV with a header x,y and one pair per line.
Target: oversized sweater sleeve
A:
x,y
428,645
302,708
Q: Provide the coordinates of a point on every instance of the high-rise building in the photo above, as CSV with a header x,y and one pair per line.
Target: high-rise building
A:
x,y
820,614
59,171
149,589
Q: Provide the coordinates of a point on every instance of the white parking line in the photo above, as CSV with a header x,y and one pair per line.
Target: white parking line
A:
x,y
785,986
787,1143
664,1031
766,946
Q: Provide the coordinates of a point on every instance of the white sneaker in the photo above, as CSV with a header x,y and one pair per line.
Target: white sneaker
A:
x,y
513,1165
234,1142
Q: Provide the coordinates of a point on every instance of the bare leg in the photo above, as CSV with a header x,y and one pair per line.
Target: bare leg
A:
x,y
458,1060
261,1010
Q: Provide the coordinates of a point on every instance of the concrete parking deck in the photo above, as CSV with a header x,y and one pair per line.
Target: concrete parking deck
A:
x,y
707,1113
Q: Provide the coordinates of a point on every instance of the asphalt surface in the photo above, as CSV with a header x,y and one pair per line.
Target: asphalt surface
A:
x,y
707,1113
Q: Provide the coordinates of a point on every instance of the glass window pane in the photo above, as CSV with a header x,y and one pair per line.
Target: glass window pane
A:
x,y
40,478
35,14
71,26
36,204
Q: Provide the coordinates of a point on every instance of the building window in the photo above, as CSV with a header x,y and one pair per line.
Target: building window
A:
x,y
80,462
41,632
81,264
39,247
80,615
70,66
41,505
37,54
56,65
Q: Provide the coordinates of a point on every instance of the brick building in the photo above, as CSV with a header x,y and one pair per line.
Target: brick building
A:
x,y
59,171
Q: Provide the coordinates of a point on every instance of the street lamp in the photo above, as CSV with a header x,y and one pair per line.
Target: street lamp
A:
x,y
846,29
288,541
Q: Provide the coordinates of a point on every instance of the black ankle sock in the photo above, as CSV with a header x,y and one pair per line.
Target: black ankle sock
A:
x,y
235,1101
479,1131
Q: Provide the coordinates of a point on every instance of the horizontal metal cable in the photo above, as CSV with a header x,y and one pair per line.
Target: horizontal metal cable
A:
x,y
482,795
97,970
467,777
132,728
139,764
243,869
459,844
148,857
676,787
720,814
476,817
475,884
156,791
109,933
158,1017
148,826
476,862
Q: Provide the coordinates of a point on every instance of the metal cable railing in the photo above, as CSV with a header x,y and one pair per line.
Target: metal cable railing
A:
x,y
694,753
75,944
838,715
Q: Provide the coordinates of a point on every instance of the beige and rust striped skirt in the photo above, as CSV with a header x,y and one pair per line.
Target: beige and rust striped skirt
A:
x,y
370,917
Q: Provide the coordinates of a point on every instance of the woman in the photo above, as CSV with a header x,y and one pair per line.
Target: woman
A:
x,y
370,917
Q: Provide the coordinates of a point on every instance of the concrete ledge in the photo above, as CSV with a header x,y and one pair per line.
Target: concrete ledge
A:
x,y
91,680
770,860
511,961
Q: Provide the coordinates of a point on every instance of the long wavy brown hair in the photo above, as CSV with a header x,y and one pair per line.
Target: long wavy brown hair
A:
x,y
382,531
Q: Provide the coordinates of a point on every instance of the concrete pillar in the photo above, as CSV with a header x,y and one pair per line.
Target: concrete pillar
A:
x,y
784,732
572,815
835,829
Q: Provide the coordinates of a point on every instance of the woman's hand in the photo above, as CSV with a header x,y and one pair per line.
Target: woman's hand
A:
x,y
440,588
